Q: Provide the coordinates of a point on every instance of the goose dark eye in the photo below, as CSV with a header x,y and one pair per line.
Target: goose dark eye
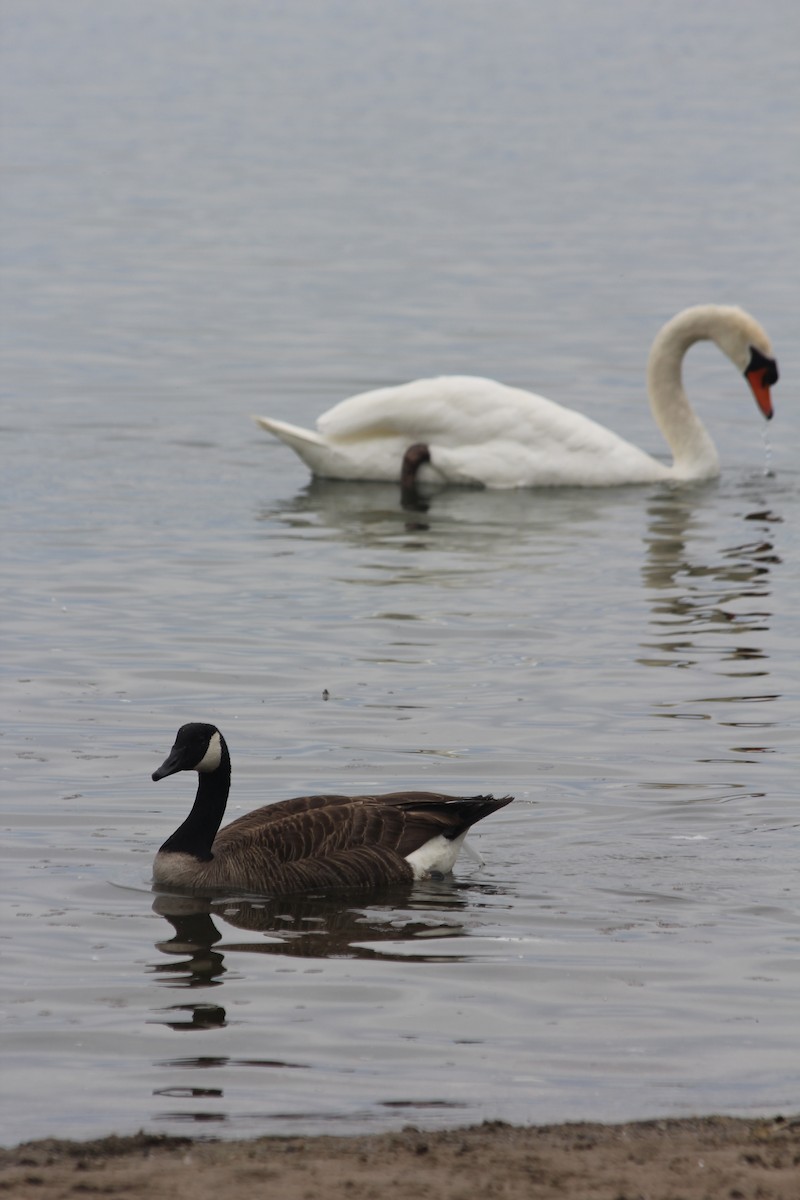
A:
x,y
760,362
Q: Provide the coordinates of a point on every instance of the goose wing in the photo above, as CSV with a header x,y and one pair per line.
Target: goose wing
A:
x,y
356,867
307,827
313,826
310,842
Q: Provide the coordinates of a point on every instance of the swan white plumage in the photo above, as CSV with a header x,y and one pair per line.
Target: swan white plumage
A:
x,y
477,431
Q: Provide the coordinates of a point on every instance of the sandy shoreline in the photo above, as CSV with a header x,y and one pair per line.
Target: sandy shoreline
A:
x,y
691,1159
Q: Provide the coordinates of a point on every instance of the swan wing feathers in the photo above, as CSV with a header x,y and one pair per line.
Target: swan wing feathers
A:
x,y
480,431
451,410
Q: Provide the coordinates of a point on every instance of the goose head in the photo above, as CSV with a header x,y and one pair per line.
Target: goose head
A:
x,y
198,747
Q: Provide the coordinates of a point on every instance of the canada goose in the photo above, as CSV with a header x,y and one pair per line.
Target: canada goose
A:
x,y
477,431
308,842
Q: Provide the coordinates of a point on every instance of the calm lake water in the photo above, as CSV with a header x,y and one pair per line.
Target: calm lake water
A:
x,y
213,210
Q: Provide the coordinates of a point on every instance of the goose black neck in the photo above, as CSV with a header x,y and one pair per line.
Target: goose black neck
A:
x,y
196,835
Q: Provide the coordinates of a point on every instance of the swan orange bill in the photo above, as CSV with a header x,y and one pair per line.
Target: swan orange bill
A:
x,y
757,378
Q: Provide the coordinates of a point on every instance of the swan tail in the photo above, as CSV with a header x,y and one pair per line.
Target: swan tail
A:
x,y
309,446
293,435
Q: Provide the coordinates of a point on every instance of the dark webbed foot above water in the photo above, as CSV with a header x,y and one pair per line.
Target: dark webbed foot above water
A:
x,y
413,459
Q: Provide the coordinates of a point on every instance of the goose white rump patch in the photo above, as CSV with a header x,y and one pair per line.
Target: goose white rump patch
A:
x,y
436,856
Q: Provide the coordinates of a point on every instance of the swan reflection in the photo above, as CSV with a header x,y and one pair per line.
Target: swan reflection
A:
x,y
458,519
711,606
695,596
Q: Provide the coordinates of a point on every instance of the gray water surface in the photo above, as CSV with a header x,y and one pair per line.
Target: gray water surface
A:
x,y
214,210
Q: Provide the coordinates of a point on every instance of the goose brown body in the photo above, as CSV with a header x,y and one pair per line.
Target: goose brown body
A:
x,y
309,842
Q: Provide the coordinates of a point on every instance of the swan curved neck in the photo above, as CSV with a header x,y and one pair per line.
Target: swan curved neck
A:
x,y
196,835
694,453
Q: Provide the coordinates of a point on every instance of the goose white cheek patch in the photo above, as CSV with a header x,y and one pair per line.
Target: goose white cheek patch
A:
x,y
213,755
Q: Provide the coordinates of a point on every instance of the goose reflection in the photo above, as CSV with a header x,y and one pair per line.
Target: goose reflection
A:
x,y
307,926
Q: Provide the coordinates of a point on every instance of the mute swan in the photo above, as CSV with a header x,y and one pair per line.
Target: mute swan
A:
x,y
469,430
308,842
